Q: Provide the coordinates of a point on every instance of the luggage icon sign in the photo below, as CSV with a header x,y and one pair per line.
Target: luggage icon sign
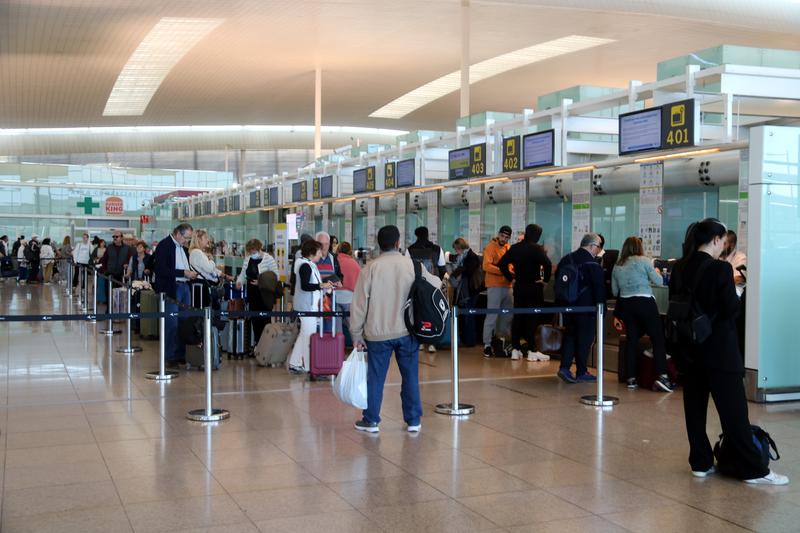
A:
x,y
677,115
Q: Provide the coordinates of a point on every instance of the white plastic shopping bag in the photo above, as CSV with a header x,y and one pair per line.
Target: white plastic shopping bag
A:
x,y
350,385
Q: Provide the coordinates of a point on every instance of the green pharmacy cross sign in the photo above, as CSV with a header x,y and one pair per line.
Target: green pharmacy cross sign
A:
x,y
88,205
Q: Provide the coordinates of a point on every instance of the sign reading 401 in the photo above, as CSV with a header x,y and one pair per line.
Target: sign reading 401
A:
x,y
678,124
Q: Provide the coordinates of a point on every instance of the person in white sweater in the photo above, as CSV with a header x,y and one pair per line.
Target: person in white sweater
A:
x,y
47,256
200,257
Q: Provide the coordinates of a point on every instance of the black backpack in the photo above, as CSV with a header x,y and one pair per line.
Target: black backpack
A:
x,y
426,310
727,459
567,286
685,319
30,252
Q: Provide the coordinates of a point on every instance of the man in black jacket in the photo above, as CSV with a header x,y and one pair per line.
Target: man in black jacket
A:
x,y
531,271
581,328
428,253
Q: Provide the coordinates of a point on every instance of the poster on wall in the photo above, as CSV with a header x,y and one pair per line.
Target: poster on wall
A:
x,y
519,205
370,223
401,218
433,215
281,251
348,222
291,226
651,194
114,205
474,199
744,180
581,206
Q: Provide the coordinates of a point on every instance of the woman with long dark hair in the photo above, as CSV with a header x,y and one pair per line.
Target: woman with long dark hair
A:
x,y
636,307
714,367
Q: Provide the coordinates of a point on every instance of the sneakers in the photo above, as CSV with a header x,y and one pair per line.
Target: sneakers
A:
x,y
537,356
770,479
369,427
296,370
586,377
431,348
516,355
663,384
704,473
487,351
632,384
566,376
412,429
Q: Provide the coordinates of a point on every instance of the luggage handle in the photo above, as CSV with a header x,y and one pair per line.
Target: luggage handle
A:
x,y
322,310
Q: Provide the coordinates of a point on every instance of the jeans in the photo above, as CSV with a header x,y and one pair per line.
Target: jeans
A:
x,y
175,349
406,350
499,324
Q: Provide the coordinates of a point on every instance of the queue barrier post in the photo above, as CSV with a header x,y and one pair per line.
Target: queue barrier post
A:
x,y
68,284
208,413
162,374
599,400
110,331
94,290
83,278
128,349
455,408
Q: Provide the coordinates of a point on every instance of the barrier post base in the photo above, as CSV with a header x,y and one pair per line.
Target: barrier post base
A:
x,y
109,332
158,376
460,410
132,349
201,415
605,401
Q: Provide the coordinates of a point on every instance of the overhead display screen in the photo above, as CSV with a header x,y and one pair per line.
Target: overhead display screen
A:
x,y
207,207
273,196
234,203
364,180
326,187
300,191
255,199
538,149
185,210
467,162
406,172
222,205
640,130
511,157
198,210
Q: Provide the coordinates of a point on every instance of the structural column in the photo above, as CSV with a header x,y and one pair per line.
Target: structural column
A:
x,y
318,113
465,31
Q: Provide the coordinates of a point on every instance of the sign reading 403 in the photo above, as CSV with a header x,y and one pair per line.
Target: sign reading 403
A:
x,y
469,162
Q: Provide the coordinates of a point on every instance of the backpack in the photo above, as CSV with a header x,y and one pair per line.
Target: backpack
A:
x,y
726,459
29,252
477,282
426,310
567,284
685,319
428,257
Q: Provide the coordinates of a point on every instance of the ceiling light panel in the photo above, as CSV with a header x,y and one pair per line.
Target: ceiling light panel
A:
x,y
169,40
437,88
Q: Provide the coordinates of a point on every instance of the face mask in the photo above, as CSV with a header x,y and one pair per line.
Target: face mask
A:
x,y
255,255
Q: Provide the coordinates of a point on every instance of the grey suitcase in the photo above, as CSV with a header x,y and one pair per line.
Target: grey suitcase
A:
x,y
236,341
195,355
148,303
276,343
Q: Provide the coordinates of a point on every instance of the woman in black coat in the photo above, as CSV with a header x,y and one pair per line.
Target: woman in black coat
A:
x,y
714,367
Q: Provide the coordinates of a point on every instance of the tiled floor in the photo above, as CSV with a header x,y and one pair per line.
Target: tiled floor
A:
x,y
88,444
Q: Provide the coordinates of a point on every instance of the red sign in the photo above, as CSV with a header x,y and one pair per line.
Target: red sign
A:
x,y
114,205
145,219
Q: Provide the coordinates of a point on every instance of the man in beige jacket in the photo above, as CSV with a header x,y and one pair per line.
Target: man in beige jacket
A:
x,y
377,325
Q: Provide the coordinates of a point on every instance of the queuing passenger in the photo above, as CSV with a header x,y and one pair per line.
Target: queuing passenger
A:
x,y
172,275
328,263
498,292
527,264
432,258
334,244
65,252
296,253
736,259
377,325
256,262
31,252
81,254
99,252
47,257
636,307
351,271
467,292
307,293
581,328
22,263
15,248
200,258
4,246
715,366
116,258
138,266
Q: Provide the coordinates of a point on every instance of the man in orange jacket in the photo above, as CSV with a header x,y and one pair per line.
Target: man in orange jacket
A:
x,y
498,290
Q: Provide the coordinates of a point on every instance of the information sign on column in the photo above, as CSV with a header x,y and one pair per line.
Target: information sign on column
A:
x,y
401,218
744,179
433,215
651,193
370,223
281,251
581,206
348,221
474,197
519,205
326,208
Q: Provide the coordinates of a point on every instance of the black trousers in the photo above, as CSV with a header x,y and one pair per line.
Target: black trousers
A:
x,y
257,303
524,326
640,315
581,330
727,391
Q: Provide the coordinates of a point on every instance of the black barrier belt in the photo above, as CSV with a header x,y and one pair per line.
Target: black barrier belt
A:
x,y
83,317
526,310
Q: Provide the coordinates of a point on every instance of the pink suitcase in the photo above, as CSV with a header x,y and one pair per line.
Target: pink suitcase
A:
x,y
327,351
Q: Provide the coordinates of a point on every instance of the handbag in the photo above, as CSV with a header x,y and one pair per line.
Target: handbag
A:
x,y
550,337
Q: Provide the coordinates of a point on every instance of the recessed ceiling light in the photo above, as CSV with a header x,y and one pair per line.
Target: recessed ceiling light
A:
x,y
169,40
431,91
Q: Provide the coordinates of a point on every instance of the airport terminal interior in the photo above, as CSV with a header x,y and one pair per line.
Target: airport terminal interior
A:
x,y
175,178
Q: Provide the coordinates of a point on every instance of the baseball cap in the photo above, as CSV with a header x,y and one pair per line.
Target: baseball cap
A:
x,y
505,230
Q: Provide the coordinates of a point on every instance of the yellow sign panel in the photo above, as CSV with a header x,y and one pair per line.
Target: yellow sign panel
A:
x,y
677,115
478,154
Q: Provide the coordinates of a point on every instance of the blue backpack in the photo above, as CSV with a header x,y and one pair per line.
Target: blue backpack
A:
x,y
567,285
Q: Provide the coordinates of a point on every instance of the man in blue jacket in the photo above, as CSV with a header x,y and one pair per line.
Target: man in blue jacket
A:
x,y
172,276
582,328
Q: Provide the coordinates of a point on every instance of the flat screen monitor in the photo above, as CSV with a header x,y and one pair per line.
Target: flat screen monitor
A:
x,y
640,131
234,202
273,196
198,210
297,192
207,207
538,149
222,205
364,180
255,199
406,172
326,187
458,163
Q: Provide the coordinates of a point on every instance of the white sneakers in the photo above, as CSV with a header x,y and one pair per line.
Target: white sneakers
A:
x,y
414,429
537,356
770,479
516,355
706,473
